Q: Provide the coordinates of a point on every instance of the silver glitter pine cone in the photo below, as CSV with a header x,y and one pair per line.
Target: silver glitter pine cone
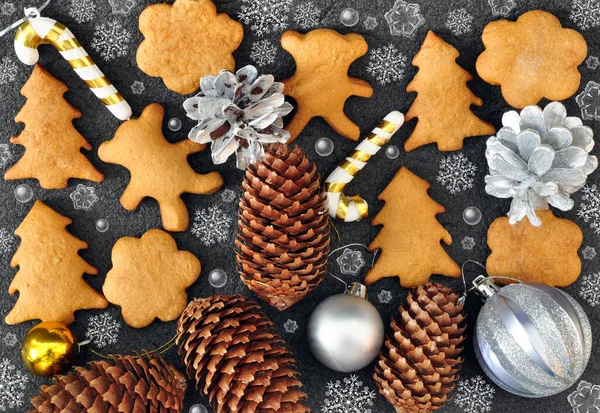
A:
x,y
539,158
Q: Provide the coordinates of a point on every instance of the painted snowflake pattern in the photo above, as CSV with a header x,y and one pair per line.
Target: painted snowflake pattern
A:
x,y
588,253
589,208
228,196
10,340
347,395
263,52
386,64
307,15
459,21
589,101
474,395
404,18
585,13
370,23
12,386
211,225
103,330
290,326
7,8
6,241
350,262
121,6
589,288
5,155
111,40
586,398
384,296
82,11
592,62
468,243
84,197
137,87
265,16
8,70
456,173
502,7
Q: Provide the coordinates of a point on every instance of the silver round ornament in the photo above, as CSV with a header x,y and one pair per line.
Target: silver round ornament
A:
x,y
324,146
532,340
198,408
349,17
345,332
23,193
392,152
217,278
102,225
472,215
174,124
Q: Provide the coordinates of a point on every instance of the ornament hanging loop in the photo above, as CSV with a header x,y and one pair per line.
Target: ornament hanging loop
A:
x,y
32,12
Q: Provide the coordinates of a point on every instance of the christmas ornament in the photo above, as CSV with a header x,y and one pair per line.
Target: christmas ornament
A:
x,y
532,340
49,348
36,30
539,157
345,331
354,208
231,351
125,384
283,238
419,364
238,113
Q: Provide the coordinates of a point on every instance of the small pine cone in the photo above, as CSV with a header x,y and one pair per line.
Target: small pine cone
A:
x,y
230,349
283,238
126,384
420,360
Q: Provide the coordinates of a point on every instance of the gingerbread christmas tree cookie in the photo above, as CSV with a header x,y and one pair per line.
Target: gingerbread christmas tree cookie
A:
x,y
321,83
411,235
52,144
49,280
159,169
186,41
443,102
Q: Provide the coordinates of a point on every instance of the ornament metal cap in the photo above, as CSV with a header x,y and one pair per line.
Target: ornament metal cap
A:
x,y
358,289
485,287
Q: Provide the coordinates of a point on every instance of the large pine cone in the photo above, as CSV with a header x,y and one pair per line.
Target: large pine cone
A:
x,y
283,238
420,360
126,384
230,349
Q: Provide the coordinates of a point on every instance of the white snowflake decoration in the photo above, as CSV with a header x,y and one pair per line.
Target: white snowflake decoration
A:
x,y
82,11
588,253
137,87
263,52
12,386
384,296
8,8
347,396
103,330
468,243
586,398
370,23
502,7
265,16
592,62
228,196
307,15
211,225
8,70
474,395
459,21
121,6
589,289
589,209
404,18
10,340
456,173
350,262
290,326
5,155
386,64
6,241
589,101
84,197
585,13
111,40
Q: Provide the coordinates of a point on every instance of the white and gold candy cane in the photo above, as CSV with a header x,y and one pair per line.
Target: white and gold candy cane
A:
x,y
354,208
38,30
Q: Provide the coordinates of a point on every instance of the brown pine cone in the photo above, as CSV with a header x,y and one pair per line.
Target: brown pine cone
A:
x,y
283,238
230,349
420,360
125,384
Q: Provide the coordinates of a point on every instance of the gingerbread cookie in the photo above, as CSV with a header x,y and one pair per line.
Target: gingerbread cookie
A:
x,y
159,169
52,144
443,103
149,277
49,280
532,58
321,83
171,30
546,254
410,237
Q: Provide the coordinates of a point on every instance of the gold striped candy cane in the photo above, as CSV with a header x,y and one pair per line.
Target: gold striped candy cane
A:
x,y
354,208
42,30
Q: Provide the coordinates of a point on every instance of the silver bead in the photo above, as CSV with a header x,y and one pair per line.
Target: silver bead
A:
x,y
198,408
174,124
23,193
217,278
472,215
102,225
324,146
392,152
349,17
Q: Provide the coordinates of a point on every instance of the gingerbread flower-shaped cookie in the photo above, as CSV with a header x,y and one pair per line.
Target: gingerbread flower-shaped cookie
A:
x,y
186,41
532,58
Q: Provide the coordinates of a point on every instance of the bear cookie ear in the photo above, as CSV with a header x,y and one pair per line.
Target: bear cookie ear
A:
x,y
359,45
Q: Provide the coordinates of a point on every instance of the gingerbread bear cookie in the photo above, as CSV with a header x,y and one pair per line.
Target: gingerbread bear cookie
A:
x,y
159,169
187,41
532,58
321,83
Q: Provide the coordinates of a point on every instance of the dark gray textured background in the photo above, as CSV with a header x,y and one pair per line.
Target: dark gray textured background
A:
x,y
97,125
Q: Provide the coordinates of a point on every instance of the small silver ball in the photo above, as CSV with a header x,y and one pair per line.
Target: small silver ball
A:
x,y
472,215
324,146
23,193
102,225
217,278
392,152
174,124
198,408
349,17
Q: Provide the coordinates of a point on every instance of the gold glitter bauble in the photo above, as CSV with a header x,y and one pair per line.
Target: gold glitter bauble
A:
x,y
49,348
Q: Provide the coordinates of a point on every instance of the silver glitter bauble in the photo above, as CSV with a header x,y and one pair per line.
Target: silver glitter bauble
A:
x,y
532,340
345,332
